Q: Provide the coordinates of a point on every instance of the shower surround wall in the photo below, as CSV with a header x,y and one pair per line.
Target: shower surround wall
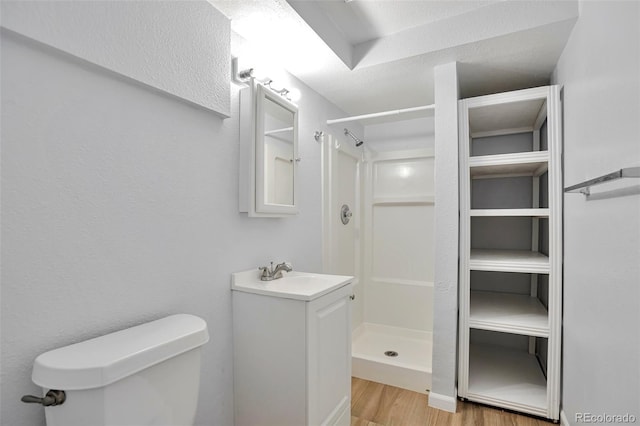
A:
x,y
398,253
119,206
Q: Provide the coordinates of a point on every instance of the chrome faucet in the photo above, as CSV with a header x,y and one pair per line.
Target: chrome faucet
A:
x,y
271,273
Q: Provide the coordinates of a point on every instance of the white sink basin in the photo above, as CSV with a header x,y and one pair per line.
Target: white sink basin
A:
x,y
299,278
293,285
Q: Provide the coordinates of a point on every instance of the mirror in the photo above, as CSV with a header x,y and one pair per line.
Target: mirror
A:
x,y
273,151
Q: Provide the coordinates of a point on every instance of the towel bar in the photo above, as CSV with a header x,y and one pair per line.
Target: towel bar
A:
x,y
584,187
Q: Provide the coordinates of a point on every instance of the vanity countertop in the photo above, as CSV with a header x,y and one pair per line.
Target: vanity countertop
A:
x,y
293,285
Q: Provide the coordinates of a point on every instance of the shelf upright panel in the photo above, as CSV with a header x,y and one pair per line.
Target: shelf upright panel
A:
x,y
554,129
464,274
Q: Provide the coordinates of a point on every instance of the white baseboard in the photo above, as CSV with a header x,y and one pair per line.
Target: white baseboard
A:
x,y
563,419
443,402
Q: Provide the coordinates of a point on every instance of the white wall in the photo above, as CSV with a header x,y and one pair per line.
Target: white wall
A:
x,y
120,206
417,133
599,69
151,42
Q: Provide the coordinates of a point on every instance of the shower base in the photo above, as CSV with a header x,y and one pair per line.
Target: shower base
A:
x,y
410,369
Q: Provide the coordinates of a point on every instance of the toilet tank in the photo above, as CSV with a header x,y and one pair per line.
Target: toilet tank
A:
x,y
140,376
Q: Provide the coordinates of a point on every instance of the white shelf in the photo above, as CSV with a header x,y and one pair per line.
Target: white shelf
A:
x,y
508,378
498,113
510,212
509,261
516,164
509,313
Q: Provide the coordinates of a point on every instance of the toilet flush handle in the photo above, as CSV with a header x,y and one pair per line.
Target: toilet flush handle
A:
x,y
53,397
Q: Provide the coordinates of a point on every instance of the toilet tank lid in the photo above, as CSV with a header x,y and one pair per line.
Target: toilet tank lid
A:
x,y
106,359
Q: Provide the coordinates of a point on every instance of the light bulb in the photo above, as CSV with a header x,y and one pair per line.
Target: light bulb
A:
x,y
294,94
261,74
265,71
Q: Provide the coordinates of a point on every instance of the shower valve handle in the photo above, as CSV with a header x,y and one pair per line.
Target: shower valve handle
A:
x,y
345,214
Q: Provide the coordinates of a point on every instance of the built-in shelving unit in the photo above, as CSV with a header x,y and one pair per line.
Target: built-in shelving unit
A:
x,y
511,250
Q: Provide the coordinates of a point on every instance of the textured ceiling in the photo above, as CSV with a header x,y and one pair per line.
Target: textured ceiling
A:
x,y
375,55
360,21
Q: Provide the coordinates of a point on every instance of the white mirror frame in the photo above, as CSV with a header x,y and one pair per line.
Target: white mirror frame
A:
x,y
252,179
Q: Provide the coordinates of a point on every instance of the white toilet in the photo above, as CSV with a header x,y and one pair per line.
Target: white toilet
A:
x,y
142,376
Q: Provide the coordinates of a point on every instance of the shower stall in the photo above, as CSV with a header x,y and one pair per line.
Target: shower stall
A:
x,y
378,209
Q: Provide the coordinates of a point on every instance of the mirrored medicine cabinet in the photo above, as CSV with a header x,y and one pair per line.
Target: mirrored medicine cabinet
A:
x,y
268,152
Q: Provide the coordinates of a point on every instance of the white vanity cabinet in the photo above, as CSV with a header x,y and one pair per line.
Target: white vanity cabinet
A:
x,y
292,350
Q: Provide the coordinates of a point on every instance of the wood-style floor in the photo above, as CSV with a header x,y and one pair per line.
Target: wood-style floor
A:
x,y
375,404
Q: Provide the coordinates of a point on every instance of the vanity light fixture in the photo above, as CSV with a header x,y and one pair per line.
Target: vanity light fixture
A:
x,y
292,95
245,74
242,77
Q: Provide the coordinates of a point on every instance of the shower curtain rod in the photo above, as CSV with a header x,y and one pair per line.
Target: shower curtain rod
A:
x,y
381,114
